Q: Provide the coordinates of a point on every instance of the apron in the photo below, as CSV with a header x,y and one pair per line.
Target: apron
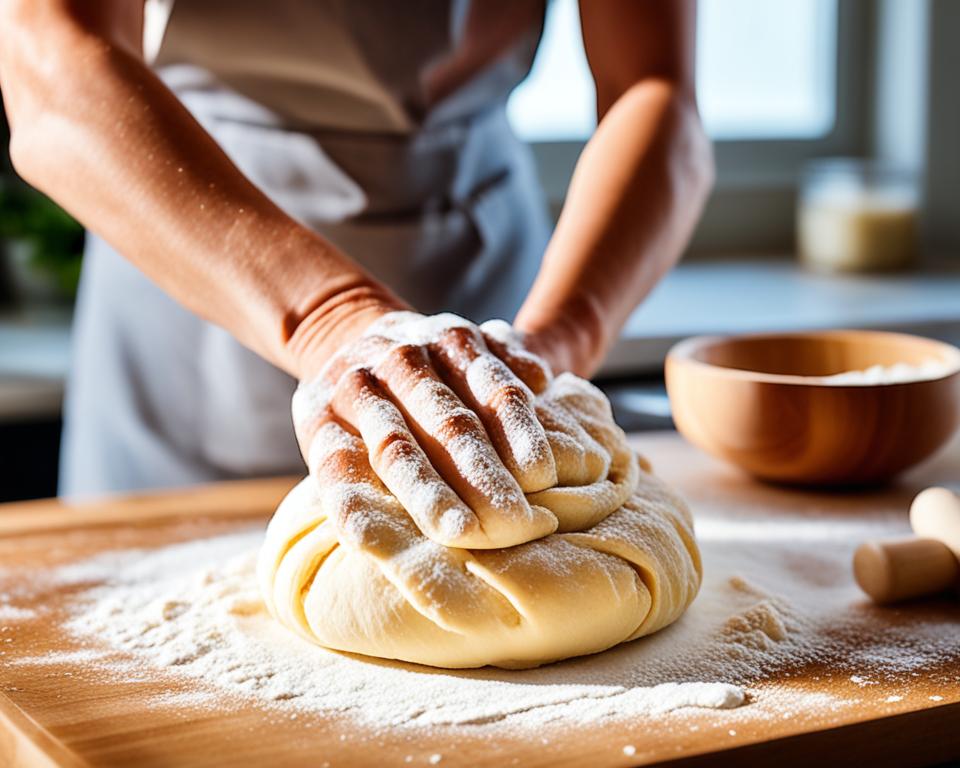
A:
x,y
380,125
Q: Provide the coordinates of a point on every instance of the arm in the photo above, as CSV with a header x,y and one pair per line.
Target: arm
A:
x,y
95,129
638,188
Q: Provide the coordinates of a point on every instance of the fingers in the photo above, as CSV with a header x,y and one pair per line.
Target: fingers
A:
x,y
435,579
312,398
596,467
460,465
506,343
351,494
401,464
502,401
579,458
457,445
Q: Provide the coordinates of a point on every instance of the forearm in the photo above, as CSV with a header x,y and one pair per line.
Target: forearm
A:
x,y
636,194
95,129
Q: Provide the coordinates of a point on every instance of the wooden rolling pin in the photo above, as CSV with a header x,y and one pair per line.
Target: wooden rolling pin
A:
x,y
925,564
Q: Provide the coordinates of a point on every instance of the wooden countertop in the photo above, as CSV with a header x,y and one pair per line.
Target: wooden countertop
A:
x,y
56,714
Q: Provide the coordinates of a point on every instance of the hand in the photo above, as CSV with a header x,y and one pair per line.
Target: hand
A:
x,y
445,410
566,343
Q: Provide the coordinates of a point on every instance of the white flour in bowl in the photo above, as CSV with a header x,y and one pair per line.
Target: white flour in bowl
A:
x,y
892,374
193,610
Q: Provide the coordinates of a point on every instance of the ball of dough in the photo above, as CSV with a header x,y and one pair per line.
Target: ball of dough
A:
x,y
346,565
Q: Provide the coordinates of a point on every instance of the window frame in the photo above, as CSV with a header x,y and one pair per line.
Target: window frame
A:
x,y
937,143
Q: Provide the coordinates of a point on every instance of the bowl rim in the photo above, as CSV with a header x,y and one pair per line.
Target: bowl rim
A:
x,y
684,352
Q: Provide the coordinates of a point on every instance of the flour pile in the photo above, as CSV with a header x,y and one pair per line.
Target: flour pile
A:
x,y
10,612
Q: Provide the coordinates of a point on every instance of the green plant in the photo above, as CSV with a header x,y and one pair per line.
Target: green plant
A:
x,y
54,237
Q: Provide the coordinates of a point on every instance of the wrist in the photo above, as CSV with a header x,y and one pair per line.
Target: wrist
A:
x,y
572,337
334,321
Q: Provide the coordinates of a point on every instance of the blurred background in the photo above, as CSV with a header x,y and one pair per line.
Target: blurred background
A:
x,y
835,125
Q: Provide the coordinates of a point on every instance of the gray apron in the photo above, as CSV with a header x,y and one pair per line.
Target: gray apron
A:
x,y
326,106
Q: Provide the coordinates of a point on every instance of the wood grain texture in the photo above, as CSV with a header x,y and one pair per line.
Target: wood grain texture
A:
x,y
755,401
238,499
60,713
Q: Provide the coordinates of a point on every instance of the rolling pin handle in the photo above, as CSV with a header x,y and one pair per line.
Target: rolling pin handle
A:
x,y
935,514
890,571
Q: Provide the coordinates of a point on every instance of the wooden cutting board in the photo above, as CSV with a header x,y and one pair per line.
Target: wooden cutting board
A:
x,y
59,714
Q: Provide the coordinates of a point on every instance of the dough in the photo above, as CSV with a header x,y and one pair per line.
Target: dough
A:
x,y
345,565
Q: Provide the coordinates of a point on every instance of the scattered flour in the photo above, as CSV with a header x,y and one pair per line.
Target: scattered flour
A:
x,y
15,613
193,610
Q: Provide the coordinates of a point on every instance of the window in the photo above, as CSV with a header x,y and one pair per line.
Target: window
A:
x,y
764,70
767,70
780,82
556,101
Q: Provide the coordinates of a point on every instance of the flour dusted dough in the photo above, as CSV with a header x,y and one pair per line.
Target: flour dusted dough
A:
x,y
346,566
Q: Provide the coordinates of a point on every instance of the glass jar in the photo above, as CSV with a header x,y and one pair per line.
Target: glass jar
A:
x,y
857,216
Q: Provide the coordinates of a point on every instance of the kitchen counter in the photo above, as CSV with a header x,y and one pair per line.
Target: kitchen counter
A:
x,y
745,296
57,707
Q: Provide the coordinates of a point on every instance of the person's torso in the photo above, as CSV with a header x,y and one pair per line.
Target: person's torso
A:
x,y
357,65
378,123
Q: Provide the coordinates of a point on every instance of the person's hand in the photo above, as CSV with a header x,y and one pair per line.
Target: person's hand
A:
x,y
445,410
574,341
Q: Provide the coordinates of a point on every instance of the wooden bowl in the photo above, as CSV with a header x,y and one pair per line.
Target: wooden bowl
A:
x,y
762,403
